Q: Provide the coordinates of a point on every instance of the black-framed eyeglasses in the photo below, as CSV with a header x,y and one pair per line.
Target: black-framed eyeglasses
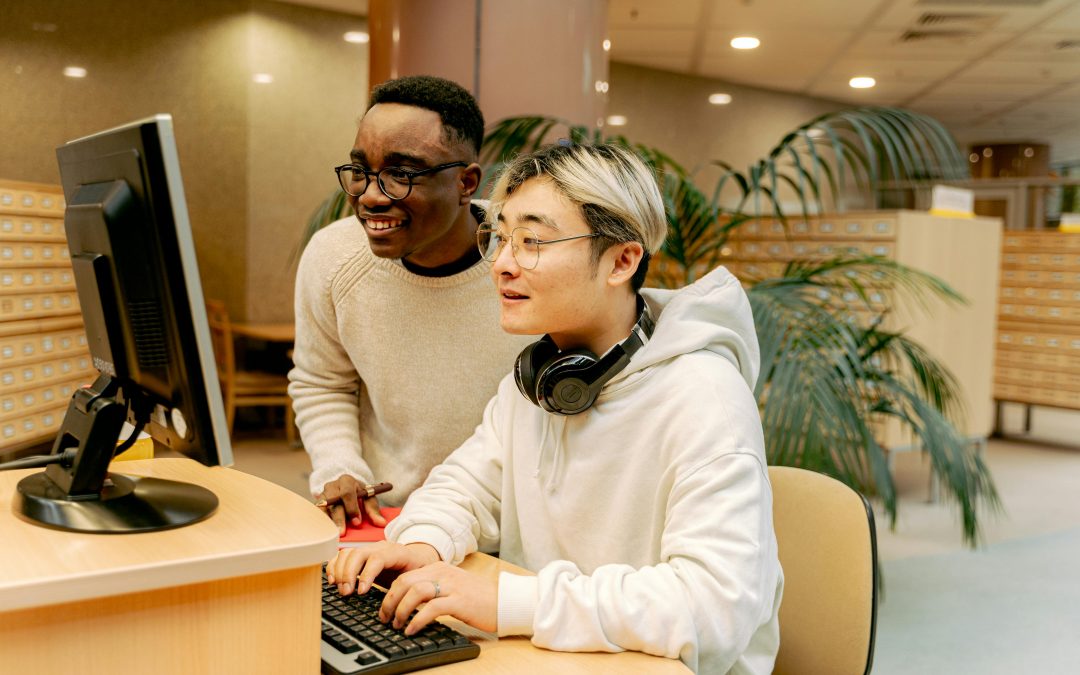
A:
x,y
524,244
394,181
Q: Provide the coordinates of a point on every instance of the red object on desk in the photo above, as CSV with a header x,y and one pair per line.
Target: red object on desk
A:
x,y
368,533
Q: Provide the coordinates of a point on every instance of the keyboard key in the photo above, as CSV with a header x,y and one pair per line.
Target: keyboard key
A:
x,y
425,644
366,658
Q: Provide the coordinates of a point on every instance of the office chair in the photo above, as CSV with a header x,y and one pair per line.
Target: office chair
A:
x,y
244,387
828,550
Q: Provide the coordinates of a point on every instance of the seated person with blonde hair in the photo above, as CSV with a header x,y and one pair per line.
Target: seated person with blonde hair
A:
x,y
634,483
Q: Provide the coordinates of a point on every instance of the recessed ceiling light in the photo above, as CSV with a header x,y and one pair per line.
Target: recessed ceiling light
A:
x,y
745,42
262,78
862,82
75,71
607,45
357,37
719,99
616,120
601,87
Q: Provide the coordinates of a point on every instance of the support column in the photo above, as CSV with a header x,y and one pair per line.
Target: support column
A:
x,y
523,57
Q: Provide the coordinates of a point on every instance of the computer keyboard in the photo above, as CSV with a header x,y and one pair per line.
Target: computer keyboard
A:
x,y
355,641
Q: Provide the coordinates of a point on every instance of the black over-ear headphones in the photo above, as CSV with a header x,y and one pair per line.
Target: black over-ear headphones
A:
x,y
568,382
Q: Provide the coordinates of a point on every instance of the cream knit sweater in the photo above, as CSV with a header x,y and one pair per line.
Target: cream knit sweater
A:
x,y
392,369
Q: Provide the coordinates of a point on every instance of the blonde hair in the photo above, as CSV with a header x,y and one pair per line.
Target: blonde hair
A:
x,y
615,190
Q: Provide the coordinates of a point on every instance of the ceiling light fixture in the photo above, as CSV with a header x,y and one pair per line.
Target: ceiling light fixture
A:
x,y
75,71
719,98
616,120
862,82
357,37
745,42
607,45
262,78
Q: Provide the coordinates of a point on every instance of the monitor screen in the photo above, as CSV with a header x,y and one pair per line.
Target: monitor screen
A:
x,y
138,284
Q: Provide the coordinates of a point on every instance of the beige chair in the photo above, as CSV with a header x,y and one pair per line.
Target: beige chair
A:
x,y
244,387
828,549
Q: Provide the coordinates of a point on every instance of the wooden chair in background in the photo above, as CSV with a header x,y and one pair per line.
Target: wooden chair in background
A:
x,y
244,387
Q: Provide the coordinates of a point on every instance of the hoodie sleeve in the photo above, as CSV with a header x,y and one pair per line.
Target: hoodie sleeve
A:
x,y
323,383
457,508
715,587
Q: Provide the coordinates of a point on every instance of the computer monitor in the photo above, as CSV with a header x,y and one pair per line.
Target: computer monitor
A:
x,y
142,303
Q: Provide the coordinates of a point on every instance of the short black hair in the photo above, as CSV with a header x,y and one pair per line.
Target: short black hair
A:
x,y
458,110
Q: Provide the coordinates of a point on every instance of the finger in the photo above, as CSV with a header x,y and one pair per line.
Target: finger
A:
x,y
371,508
352,506
349,564
330,568
337,514
440,606
417,594
372,567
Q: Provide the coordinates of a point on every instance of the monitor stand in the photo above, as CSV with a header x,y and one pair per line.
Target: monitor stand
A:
x,y
84,497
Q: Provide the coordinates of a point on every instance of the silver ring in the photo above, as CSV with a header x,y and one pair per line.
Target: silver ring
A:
x,y
437,589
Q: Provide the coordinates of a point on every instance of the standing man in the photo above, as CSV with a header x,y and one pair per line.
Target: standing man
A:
x,y
398,345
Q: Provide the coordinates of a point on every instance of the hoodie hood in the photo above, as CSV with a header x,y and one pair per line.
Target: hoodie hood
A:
x,y
712,314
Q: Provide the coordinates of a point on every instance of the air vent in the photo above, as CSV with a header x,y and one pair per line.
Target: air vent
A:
x,y
957,21
938,36
1064,45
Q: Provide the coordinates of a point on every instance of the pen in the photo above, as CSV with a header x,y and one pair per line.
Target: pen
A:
x,y
365,492
369,491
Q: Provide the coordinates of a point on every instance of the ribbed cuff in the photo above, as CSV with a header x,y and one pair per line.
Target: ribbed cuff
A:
x,y
517,604
432,536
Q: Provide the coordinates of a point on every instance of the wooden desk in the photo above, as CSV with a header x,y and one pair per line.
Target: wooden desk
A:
x,y
236,593
270,332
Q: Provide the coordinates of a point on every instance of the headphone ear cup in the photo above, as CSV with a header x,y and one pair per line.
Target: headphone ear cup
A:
x,y
531,360
561,385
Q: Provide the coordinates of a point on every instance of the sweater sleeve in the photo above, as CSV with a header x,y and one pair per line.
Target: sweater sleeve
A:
x,y
323,383
715,586
457,508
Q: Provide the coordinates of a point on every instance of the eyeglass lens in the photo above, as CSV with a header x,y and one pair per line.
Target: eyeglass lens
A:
x,y
524,245
394,183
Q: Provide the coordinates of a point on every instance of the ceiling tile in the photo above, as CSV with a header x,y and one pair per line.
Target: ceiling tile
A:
x,y
791,44
901,70
886,44
646,14
984,91
1002,70
675,64
626,41
760,15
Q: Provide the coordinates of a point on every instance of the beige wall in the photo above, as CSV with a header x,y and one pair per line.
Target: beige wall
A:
x,y
672,112
256,158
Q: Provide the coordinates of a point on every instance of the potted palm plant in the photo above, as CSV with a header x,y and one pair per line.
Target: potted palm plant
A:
x,y
829,375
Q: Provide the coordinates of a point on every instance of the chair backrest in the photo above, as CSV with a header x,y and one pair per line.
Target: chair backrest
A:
x,y
221,336
828,551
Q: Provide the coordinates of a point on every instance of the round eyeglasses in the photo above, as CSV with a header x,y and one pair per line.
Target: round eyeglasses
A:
x,y
394,181
524,244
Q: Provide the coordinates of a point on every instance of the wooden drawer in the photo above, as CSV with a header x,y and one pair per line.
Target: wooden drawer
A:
x,y
1041,360
30,280
1055,279
1039,295
1049,379
20,349
36,426
1050,242
31,375
1036,395
1008,311
1068,262
1027,338
38,305
26,198
31,228
34,254
16,405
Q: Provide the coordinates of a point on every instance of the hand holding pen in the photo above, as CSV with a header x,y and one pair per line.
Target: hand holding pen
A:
x,y
349,500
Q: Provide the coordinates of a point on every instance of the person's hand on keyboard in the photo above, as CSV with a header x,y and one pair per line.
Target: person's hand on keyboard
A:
x,y
356,568
447,590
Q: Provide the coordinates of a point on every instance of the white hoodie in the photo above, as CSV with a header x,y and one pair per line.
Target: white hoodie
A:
x,y
647,518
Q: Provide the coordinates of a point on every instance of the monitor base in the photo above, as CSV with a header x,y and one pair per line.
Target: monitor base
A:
x,y
126,504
